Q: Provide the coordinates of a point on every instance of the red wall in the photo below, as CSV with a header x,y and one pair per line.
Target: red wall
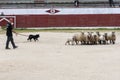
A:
x,y
4,22
90,20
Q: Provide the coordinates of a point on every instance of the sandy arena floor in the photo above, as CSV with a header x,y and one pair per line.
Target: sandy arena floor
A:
x,y
50,59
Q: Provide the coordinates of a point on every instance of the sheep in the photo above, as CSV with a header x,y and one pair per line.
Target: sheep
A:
x,y
76,38
82,37
69,41
102,39
96,37
92,38
111,37
86,38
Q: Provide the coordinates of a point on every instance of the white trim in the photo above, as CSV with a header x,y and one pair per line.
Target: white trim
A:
x,y
4,19
63,11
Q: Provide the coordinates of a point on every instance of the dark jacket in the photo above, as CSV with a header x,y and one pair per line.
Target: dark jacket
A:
x,y
9,29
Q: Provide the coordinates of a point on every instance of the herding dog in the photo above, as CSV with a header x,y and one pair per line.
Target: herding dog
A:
x,y
34,37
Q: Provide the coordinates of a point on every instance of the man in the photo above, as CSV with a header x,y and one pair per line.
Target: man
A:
x,y
111,3
9,35
76,3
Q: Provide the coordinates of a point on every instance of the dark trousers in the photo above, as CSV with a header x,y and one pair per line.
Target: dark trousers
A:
x,y
10,39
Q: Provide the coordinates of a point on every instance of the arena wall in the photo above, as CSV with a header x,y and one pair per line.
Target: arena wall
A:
x,y
58,17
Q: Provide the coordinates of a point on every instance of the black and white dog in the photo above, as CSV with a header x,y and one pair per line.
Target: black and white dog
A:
x,y
34,37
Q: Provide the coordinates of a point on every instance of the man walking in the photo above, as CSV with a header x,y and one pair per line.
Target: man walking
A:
x,y
111,3
9,35
76,3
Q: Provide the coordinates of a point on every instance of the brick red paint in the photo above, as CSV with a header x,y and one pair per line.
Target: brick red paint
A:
x,y
85,20
3,23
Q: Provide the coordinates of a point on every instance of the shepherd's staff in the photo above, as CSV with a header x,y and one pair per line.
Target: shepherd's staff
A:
x,y
17,33
22,34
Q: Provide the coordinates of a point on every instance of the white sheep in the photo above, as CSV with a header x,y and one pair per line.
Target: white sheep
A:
x,y
82,38
102,39
76,38
69,41
111,37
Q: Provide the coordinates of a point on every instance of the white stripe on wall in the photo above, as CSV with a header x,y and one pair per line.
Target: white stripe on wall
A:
x,y
63,11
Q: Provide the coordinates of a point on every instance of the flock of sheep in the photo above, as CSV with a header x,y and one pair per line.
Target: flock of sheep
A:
x,y
92,38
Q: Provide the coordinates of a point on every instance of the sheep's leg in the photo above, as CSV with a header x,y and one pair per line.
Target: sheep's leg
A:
x,y
110,41
82,43
72,42
87,42
76,42
100,42
66,43
104,42
113,41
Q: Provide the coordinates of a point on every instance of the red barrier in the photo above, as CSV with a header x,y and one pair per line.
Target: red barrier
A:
x,y
92,20
82,20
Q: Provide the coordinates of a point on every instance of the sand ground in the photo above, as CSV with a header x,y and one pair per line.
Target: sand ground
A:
x,y
50,59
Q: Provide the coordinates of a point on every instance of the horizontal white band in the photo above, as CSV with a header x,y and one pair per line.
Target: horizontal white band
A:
x,y
61,11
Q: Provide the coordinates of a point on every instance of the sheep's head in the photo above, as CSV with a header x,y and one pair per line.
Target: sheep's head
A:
x,y
98,33
113,32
